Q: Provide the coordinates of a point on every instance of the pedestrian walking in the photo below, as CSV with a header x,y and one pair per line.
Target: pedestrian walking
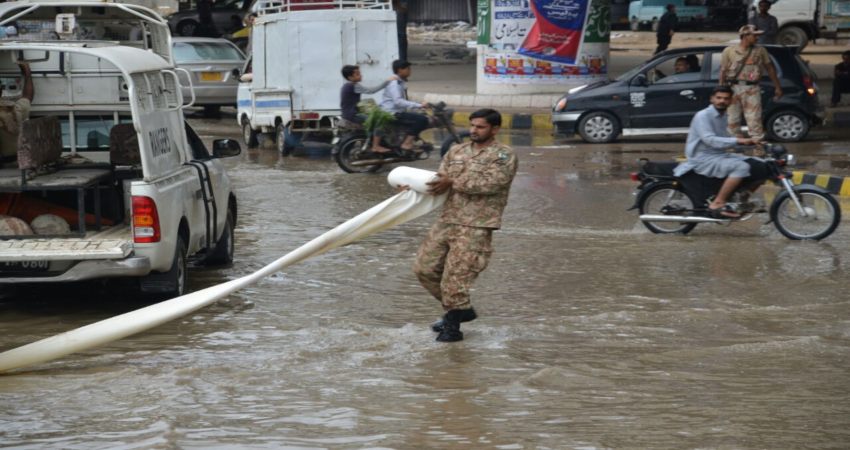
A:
x,y
400,7
841,80
766,23
668,25
742,67
477,176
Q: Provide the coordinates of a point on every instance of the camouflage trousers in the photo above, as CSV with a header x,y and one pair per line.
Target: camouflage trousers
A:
x,y
450,259
746,99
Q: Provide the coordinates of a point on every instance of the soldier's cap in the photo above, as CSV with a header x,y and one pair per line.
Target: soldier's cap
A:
x,y
749,29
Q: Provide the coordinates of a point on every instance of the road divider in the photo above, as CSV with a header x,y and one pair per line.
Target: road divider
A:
x,y
512,121
836,185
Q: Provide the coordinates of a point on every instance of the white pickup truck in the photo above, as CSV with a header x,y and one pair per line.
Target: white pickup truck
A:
x,y
149,194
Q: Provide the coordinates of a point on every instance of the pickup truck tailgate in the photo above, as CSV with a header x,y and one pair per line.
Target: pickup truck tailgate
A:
x,y
109,244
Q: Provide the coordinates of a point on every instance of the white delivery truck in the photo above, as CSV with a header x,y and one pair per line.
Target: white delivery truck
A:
x,y
801,21
299,48
149,195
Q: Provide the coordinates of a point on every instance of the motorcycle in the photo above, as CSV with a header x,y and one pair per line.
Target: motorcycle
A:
x,y
353,144
671,204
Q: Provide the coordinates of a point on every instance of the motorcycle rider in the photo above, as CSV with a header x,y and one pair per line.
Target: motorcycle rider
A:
x,y
708,140
395,101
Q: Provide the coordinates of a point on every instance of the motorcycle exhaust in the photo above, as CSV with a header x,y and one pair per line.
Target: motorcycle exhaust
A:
x,y
681,219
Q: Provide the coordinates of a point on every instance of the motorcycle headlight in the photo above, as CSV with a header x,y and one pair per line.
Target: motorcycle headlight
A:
x,y
561,105
790,160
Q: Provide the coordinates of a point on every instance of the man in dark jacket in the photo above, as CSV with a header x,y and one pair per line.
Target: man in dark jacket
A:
x,y
668,24
841,82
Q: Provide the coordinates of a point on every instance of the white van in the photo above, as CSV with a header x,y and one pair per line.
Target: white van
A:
x,y
299,49
147,196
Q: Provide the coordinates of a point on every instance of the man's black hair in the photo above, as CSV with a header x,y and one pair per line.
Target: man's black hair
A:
x,y
490,115
348,71
724,89
846,53
670,6
399,64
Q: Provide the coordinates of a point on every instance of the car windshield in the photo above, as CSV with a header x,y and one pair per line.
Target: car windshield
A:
x,y
205,51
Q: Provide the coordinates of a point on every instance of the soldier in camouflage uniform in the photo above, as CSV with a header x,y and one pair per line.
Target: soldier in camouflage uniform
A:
x,y
12,114
477,176
741,68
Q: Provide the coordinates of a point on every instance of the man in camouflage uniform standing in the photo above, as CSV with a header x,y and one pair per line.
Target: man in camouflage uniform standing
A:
x,y
477,176
741,68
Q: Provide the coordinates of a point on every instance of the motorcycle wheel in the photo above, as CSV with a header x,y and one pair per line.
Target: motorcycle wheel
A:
x,y
823,215
447,144
350,150
666,199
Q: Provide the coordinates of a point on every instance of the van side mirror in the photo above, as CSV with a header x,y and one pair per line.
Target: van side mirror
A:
x,y
225,148
640,80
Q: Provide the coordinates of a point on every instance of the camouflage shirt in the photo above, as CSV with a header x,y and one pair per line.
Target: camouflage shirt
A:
x,y
733,56
481,180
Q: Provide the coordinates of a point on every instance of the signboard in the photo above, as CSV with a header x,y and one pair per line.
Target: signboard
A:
x,y
546,41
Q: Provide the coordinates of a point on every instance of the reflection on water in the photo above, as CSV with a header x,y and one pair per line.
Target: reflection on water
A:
x,y
593,333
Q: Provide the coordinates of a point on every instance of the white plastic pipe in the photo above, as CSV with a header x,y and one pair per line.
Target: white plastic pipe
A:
x,y
395,210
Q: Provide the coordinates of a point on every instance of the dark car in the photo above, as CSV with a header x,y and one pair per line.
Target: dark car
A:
x,y
227,17
659,98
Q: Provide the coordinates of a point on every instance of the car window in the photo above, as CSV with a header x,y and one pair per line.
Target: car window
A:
x,y
676,69
92,132
228,4
205,51
715,67
196,145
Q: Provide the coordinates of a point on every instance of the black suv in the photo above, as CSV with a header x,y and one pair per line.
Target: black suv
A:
x,y
662,95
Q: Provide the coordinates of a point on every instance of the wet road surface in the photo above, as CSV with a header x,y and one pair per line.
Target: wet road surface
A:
x,y
592,332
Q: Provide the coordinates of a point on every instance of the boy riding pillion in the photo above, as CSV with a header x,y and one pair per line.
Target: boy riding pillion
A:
x,y
349,97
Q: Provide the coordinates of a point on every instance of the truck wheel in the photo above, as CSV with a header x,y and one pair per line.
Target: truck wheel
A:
x,y
286,140
450,141
187,28
793,36
787,126
169,284
599,127
222,254
248,134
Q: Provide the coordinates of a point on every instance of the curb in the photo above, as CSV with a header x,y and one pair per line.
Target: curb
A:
x,y
835,185
513,121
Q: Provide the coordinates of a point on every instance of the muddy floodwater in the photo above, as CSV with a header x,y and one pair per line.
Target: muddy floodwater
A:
x,y
592,332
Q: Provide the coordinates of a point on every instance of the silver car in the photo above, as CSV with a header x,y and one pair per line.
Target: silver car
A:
x,y
214,65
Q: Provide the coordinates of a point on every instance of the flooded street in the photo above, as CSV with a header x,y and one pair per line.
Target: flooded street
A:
x,y
592,332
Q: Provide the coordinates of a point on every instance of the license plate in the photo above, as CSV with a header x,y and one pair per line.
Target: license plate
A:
x,y
24,266
211,76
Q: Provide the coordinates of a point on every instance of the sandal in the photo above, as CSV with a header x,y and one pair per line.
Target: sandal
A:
x,y
724,212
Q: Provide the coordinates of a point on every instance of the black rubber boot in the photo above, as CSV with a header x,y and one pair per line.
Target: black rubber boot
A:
x,y
451,324
467,315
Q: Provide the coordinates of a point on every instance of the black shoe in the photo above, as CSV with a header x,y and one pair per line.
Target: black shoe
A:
x,y
451,324
466,315
451,332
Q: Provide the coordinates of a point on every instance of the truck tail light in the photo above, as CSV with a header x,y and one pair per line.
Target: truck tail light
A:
x,y
811,87
145,220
